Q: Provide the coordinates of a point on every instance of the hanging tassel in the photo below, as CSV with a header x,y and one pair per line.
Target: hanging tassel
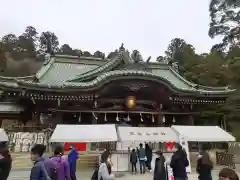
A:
x,y
153,120
79,117
161,106
105,117
141,117
173,120
163,119
94,115
128,118
117,118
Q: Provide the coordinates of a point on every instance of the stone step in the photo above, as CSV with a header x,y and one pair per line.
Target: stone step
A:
x,y
22,160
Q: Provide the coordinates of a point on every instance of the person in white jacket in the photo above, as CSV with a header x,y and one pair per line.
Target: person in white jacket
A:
x,y
104,171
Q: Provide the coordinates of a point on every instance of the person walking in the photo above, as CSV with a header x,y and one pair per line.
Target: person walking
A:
x,y
72,161
149,157
43,169
204,166
179,162
5,162
61,164
142,158
104,171
159,170
133,160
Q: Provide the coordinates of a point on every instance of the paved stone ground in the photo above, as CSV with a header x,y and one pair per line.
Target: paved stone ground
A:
x,y
86,175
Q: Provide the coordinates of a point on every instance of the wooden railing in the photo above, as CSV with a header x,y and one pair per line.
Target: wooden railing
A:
x,y
225,159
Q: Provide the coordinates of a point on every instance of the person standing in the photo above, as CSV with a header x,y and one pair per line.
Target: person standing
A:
x,y
5,162
133,160
72,161
61,164
159,170
149,157
204,166
179,162
142,158
43,169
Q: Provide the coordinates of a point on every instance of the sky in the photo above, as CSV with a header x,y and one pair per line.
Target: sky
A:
x,y
145,25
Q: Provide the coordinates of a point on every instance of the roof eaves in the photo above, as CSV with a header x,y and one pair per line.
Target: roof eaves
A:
x,y
45,68
123,74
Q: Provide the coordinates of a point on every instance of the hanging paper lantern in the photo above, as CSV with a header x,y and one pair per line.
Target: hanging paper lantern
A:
x,y
131,102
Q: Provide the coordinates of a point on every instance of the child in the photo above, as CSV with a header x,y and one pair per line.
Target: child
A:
x,y
133,160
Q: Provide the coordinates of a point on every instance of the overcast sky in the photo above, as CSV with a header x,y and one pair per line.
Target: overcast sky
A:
x,y
146,25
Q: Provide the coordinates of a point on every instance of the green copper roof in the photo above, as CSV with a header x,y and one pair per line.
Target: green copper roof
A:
x,y
64,73
59,73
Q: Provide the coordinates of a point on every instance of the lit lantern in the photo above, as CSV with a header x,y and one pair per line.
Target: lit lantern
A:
x,y
131,102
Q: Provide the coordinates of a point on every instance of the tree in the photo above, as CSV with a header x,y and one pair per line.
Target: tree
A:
x,y
55,42
225,21
66,50
174,50
9,41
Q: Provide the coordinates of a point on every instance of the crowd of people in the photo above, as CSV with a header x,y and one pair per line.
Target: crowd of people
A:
x,y
57,167
60,167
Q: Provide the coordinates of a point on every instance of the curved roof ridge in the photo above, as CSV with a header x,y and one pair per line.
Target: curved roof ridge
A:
x,y
105,67
122,74
45,68
182,78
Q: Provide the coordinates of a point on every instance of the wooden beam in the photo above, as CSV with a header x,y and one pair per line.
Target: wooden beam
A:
x,y
136,112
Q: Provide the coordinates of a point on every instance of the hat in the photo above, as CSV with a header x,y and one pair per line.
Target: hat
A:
x,y
159,152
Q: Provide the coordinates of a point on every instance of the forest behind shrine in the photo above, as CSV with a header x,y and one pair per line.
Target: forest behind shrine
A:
x,y
19,56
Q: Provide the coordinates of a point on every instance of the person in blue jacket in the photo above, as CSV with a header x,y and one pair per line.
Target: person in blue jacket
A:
x,y
72,161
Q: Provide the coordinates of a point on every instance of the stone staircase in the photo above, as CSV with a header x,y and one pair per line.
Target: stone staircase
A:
x,y
23,161
87,161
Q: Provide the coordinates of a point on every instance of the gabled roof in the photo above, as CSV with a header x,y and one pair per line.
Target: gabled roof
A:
x,y
67,73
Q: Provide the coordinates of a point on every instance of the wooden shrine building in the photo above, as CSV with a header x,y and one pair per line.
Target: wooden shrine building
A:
x,y
120,89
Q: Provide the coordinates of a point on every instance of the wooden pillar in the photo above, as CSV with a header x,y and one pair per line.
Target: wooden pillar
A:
x,y
160,120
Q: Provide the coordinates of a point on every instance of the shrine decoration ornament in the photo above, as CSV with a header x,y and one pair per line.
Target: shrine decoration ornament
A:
x,y
167,145
131,102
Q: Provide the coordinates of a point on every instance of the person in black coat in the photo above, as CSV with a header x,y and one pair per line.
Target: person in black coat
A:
x,y
204,167
179,162
133,160
5,163
159,170
149,156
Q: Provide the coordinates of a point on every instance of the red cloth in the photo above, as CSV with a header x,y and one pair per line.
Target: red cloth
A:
x,y
79,146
